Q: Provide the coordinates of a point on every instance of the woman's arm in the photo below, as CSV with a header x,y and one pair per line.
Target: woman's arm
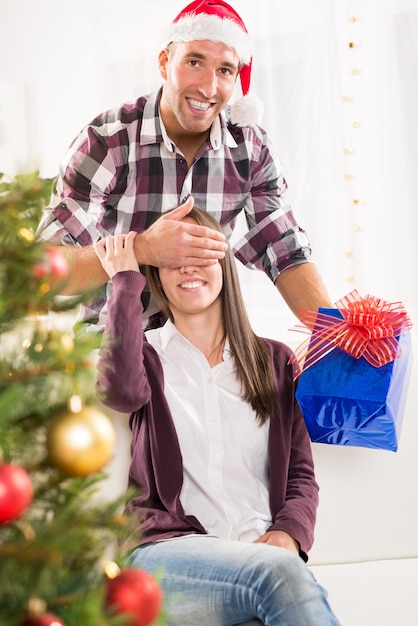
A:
x,y
293,487
122,379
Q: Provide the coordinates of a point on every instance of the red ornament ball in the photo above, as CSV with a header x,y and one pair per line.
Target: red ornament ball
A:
x,y
16,491
54,264
46,619
134,592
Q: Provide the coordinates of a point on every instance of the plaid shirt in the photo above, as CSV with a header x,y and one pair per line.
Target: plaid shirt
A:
x,y
123,171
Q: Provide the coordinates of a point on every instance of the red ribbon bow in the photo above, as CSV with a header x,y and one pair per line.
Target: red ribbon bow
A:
x,y
368,329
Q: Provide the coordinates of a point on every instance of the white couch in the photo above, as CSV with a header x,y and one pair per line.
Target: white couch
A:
x,y
372,593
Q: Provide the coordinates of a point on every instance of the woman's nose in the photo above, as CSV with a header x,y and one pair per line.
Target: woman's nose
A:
x,y
188,269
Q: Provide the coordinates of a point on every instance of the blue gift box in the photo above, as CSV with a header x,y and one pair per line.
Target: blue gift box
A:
x,y
346,401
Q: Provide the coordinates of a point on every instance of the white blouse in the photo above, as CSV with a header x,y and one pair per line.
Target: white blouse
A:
x,y
225,458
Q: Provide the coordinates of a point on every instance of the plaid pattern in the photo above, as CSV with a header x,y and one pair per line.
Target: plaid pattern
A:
x,y
123,171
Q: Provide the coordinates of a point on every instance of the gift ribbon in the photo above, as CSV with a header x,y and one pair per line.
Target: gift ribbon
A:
x,y
368,328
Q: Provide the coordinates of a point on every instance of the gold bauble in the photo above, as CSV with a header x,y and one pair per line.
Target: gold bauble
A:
x,y
80,443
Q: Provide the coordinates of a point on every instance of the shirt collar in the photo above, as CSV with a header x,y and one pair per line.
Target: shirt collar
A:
x,y
169,331
153,129
225,135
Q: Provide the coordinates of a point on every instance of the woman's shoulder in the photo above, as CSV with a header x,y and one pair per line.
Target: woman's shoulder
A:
x,y
278,347
280,354
153,337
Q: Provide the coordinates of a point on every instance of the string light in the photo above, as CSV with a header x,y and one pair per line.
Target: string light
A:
x,y
351,128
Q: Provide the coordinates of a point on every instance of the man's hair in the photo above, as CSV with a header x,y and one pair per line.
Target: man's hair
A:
x,y
252,357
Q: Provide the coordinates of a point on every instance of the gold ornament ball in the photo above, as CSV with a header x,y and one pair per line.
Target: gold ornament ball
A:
x,y
81,443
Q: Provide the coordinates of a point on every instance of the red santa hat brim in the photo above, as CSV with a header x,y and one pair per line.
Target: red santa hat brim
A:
x,y
198,26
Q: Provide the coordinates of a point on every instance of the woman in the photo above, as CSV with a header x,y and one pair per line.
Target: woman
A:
x,y
221,458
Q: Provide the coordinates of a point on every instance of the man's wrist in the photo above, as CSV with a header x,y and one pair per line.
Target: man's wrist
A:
x,y
140,249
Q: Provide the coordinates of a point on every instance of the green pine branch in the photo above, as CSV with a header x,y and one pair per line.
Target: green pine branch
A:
x,y
56,549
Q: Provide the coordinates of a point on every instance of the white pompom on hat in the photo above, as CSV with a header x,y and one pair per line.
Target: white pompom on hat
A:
x,y
218,21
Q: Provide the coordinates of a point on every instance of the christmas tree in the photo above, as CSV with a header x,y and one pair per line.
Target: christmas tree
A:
x,y
60,564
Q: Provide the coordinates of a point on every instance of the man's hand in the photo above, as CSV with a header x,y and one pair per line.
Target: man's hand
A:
x,y
279,538
116,253
171,242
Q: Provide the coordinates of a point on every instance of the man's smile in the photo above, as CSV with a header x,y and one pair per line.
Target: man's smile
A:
x,y
199,105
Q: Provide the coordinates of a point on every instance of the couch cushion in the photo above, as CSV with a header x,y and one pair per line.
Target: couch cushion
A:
x,y
375,593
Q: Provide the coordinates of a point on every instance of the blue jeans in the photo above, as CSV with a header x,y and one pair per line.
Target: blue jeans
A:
x,y
208,581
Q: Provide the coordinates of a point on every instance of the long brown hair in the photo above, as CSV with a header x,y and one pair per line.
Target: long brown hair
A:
x,y
251,354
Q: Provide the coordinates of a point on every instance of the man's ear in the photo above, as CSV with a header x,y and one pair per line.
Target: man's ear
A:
x,y
162,62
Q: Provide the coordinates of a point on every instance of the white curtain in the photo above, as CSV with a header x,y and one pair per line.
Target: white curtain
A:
x,y
339,81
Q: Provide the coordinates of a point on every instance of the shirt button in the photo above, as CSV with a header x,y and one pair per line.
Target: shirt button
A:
x,y
181,161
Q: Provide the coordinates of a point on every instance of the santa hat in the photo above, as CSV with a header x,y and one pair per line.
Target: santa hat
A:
x,y
218,21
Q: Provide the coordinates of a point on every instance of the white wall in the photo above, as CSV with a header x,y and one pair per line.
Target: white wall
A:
x,y
61,64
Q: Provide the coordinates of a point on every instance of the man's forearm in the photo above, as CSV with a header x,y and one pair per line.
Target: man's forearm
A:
x,y
302,288
86,271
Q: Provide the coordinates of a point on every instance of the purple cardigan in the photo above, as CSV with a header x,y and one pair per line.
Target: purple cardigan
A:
x,y
131,380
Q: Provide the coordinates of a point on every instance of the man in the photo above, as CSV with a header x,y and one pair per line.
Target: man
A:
x,y
182,145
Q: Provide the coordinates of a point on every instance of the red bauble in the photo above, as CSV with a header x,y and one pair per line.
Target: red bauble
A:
x,y
16,491
135,592
54,264
47,619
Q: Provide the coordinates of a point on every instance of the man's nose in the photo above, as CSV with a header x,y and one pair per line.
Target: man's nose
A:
x,y
209,84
